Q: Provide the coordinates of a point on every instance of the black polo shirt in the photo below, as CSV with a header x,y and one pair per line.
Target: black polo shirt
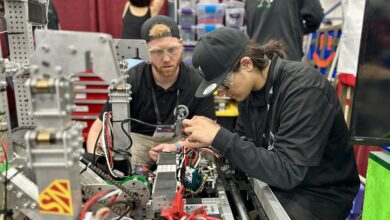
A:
x,y
298,142
142,105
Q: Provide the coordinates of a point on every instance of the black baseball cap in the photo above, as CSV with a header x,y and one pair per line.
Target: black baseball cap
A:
x,y
214,56
159,19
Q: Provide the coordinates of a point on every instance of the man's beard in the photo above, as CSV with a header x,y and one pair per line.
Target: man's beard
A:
x,y
168,73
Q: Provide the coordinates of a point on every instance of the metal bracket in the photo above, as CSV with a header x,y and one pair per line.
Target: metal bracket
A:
x,y
132,49
268,200
79,49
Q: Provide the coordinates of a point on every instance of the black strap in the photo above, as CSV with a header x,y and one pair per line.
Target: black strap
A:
x,y
275,89
271,91
155,105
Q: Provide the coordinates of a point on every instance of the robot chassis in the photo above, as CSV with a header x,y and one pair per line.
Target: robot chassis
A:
x,y
51,179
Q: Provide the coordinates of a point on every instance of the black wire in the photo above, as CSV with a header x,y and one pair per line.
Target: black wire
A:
x,y
85,168
138,121
95,147
127,134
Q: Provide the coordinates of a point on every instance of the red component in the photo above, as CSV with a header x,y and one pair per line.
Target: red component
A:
x,y
176,211
89,103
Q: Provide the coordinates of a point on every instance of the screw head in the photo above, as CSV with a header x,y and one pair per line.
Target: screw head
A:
x,y
45,48
33,205
19,195
58,69
72,50
102,39
9,187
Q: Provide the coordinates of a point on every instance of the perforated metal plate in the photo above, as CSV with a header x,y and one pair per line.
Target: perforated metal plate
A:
x,y
21,47
19,31
23,104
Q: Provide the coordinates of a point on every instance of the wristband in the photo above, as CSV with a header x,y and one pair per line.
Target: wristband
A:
x,y
178,147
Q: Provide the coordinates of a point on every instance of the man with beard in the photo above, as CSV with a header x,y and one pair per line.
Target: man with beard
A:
x,y
157,89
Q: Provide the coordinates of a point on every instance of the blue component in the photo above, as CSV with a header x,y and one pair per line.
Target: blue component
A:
x,y
209,28
210,9
193,179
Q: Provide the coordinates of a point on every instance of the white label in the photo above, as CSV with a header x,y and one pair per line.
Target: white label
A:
x,y
81,108
76,87
209,89
211,209
80,96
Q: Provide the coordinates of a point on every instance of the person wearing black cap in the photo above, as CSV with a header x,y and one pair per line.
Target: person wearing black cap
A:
x,y
296,139
157,90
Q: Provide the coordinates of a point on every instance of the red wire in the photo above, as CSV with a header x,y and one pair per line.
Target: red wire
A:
x,y
91,202
5,149
102,213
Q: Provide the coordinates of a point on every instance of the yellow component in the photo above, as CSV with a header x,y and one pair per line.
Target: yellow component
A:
x,y
231,110
56,199
42,86
43,136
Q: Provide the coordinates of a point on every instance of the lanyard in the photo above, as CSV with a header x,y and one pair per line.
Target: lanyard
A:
x,y
270,100
156,111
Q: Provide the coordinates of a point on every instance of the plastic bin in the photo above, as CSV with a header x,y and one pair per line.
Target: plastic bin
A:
x,y
234,17
186,16
187,32
202,29
187,56
210,13
187,4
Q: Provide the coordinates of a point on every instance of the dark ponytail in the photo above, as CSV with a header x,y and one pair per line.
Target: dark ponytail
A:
x,y
274,46
260,54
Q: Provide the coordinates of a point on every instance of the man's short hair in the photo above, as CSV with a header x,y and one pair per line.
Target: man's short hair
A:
x,y
159,27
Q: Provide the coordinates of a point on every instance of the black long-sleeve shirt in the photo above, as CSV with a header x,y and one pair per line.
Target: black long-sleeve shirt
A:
x,y
286,20
299,146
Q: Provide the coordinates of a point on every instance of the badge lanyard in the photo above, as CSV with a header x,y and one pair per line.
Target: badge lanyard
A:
x,y
270,100
156,111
